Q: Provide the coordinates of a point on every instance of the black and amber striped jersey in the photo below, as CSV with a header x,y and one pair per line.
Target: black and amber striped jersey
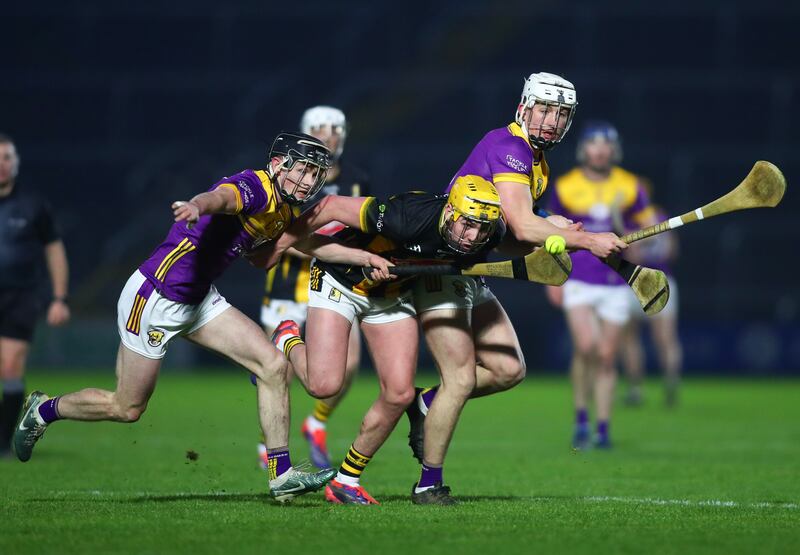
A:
x,y
403,229
288,280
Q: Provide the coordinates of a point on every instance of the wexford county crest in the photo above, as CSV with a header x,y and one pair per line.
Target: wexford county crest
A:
x,y
154,337
539,186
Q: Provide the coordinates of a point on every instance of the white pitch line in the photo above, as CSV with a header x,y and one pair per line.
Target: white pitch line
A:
x,y
589,499
690,502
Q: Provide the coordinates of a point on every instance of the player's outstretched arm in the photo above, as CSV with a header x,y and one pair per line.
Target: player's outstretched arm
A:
x,y
331,250
221,200
333,208
527,227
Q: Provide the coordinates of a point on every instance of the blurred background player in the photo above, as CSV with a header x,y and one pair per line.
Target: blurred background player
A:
x,y
659,252
286,288
595,298
27,230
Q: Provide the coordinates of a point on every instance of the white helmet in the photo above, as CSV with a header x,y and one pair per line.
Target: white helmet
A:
x,y
320,116
550,89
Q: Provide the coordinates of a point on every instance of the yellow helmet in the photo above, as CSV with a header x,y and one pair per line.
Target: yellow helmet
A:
x,y
478,202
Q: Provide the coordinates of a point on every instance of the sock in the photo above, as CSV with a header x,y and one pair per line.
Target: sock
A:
x,y
48,411
427,396
582,419
602,428
352,467
287,342
278,461
10,407
430,476
322,411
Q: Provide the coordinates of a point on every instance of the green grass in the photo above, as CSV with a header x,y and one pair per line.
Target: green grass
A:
x,y
113,488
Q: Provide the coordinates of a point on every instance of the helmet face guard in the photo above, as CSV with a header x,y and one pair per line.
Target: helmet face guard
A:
x,y
470,217
455,233
314,159
553,94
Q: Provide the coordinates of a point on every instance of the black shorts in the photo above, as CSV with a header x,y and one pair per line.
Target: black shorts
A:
x,y
19,311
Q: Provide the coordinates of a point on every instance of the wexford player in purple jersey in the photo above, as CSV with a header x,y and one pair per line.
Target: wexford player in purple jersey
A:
x,y
595,298
172,294
462,319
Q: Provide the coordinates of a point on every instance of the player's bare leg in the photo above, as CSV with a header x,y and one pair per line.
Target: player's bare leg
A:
x,y
394,349
605,378
314,425
320,362
584,330
235,336
632,358
664,330
136,380
502,364
448,334
13,354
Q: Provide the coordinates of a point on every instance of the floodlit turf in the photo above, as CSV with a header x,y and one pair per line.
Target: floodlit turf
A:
x,y
720,474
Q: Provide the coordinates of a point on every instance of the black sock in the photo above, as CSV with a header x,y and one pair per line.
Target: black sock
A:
x,y
13,399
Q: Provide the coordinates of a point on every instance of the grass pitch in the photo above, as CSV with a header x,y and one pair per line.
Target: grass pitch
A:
x,y
720,474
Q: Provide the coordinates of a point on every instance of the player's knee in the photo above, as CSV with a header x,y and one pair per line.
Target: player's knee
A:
x,y
273,371
398,397
460,383
586,349
129,414
511,373
322,388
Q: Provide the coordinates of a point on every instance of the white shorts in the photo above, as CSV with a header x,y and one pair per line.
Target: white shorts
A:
x,y
147,321
278,310
370,310
440,292
611,302
671,308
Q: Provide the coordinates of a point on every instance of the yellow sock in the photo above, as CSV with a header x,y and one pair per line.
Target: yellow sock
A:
x,y
352,467
322,411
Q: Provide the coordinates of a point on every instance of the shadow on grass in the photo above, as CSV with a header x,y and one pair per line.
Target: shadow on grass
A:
x,y
220,497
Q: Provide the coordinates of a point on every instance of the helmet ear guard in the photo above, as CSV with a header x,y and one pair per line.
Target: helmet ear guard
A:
x,y
477,201
299,147
551,90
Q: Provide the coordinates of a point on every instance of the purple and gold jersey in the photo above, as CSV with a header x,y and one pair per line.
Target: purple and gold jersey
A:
x,y
185,265
505,155
594,203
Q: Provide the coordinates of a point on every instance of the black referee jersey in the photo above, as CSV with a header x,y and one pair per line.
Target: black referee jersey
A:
x,y
26,226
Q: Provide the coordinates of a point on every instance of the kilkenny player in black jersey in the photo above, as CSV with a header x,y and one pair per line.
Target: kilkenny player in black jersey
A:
x,y
286,287
407,228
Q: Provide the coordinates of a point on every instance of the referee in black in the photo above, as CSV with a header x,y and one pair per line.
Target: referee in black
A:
x,y
27,231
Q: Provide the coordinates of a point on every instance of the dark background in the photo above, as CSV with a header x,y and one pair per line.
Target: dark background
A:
x,y
118,110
